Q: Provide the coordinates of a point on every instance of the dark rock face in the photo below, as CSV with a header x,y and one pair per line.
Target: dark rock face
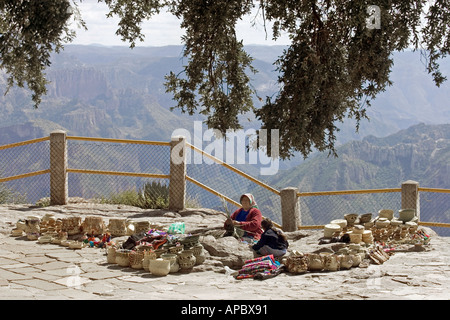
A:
x,y
81,83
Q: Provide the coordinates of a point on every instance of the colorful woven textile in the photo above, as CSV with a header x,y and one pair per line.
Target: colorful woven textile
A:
x,y
265,265
257,267
268,257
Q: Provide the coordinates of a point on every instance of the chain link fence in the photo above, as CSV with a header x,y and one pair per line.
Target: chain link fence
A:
x,y
139,173
115,172
28,161
122,157
34,190
435,208
230,183
321,209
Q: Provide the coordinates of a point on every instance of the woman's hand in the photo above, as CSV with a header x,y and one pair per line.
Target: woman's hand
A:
x,y
236,223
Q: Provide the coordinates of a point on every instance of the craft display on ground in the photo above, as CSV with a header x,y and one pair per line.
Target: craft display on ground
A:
x,y
354,241
360,240
147,247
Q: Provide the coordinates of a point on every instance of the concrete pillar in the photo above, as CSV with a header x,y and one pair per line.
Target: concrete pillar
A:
x,y
58,168
290,209
177,185
410,196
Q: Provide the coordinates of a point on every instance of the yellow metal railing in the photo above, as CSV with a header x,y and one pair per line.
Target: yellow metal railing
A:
x,y
23,143
235,170
344,192
421,223
237,204
434,190
340,192
369,191
24,175
156,143
239,172
434,224
118,173
226,165
147,175
28,174
201,185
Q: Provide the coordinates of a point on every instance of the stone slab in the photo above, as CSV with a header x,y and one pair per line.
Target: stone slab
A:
x,y
36,260
58,272
72,281
100,275
45,275
4,282
8,275
6,261
27,271
54,265
15,266
39,284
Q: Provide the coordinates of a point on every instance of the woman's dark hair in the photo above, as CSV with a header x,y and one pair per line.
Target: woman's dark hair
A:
x,y
267,224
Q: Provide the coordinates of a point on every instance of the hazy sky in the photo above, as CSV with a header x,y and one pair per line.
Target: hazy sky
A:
x,y
161,30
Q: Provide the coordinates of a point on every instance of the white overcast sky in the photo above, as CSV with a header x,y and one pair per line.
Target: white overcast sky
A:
x,y
163,29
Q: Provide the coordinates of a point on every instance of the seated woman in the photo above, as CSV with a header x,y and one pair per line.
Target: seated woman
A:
x,y
246,221
272,241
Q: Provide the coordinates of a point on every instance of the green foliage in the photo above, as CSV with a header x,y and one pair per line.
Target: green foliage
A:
x,y
43,202
215,80
153,195
7,195
128,197
29,32
333,68
131,14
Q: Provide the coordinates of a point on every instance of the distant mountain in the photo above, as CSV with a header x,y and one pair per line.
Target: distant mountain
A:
x,y
116,92
420,153
413,98
103,92
28,130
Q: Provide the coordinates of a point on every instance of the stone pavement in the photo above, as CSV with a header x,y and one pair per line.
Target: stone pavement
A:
x,y
29,270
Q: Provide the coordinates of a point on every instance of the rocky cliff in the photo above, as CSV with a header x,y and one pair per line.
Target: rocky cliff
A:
x,y
419,153
127,86
27,130
80,83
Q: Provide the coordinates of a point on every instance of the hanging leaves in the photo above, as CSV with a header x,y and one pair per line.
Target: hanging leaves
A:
x,y
340,57
29,32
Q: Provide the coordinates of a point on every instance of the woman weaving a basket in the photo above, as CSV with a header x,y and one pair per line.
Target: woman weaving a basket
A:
x,y
245,222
